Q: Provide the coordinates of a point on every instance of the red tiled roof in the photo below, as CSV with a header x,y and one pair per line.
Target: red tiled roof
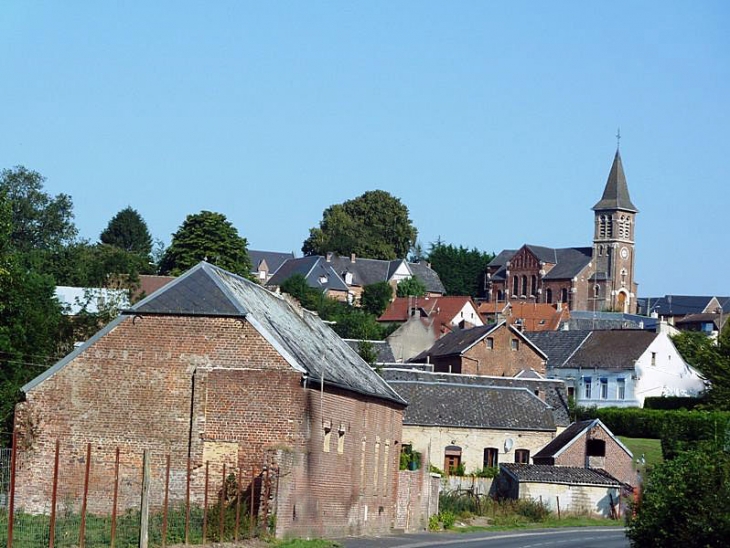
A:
x,y
442,310
534,316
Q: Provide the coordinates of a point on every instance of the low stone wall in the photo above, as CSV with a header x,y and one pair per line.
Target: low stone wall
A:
x,y
473,484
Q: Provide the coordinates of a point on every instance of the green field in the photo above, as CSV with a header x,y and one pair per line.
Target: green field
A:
x,y
651,450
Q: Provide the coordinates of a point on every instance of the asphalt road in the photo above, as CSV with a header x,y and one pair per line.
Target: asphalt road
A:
x,y
581,537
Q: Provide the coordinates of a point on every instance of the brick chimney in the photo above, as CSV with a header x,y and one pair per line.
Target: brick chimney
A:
x,y
352,257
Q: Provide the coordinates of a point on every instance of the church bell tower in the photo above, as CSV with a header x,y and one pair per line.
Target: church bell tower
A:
x,y
613,246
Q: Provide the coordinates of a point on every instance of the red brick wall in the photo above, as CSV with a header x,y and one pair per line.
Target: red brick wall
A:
x,y
498,361
617,462
217,386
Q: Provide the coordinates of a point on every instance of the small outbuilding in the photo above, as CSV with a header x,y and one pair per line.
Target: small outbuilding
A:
x,y
569,489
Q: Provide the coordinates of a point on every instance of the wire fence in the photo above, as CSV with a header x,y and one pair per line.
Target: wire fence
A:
x,y
94,497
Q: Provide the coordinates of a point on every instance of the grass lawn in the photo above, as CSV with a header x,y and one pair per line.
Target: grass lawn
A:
x,y
651,450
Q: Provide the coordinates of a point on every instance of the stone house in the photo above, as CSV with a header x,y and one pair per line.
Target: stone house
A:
x,y
551,391
344,278
472,426
497,349
265,263
217,369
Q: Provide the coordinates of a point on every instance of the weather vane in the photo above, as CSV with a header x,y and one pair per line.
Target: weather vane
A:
x,y
618,138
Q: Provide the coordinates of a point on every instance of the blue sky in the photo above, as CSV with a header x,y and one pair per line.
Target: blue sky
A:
x,y
494,122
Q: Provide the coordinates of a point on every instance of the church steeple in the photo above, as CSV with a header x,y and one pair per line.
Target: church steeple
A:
x,y
616,194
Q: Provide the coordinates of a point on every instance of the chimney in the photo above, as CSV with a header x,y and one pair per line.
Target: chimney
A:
x,y
352,257
328,257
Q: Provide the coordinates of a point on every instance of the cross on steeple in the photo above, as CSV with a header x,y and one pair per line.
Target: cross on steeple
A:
x,y
618,138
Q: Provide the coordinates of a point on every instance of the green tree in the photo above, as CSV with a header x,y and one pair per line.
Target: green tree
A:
x,y
367,352
308,297
206,236
127,230
685,502
712,360
31,323
39,221
411,287
376,297
461,270
375,225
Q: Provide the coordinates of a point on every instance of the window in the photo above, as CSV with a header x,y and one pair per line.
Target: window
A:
x,y
653,358
515,344
377,459
533,285
571,391
515,285
596,448
341,439
549,296
621,389
491,457
564,295
490,343
604,388
327,426
452,458
524,285
522,456
587,390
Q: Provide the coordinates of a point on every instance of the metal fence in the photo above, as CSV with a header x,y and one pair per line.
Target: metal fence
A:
x,y
85,500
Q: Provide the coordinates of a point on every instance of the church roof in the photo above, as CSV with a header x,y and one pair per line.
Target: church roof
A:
x,y
568,261
616,193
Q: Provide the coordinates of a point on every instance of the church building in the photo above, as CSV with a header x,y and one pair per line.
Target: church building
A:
x,y
599,278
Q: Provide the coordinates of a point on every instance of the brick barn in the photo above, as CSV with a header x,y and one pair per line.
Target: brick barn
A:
x,y
217,369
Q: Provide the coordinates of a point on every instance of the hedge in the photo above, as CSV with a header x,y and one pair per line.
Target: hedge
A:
x,y
673,402
678,429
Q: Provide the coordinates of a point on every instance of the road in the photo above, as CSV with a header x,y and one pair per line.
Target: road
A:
x,y
581,537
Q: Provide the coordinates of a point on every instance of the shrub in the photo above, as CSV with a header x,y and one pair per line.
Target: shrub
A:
x,y
487,472
448,519
532,509
685,502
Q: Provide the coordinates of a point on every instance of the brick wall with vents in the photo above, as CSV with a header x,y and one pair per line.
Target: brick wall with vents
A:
x,y
216,388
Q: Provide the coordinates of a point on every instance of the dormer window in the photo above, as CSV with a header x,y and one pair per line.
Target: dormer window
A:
x,y
323,279
348,278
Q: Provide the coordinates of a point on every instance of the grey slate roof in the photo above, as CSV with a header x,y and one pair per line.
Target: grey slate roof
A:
x,y
364,272
568,261
583,319
570,435
616,192
473,406
558,345
617,349
610,349
274,259
675,305
382,348
314,269
553,389
428,276
460,340
301,338
560,442
456,342
567,475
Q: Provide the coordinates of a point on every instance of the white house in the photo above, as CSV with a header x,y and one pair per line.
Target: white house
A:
x,y
617,368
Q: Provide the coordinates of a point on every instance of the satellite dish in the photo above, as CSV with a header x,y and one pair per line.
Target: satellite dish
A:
x,y
508,444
